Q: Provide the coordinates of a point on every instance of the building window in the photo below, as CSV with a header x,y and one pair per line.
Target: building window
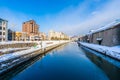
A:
x,y
0,22
3,28
3,39
3,33
32,28
0,27
0,33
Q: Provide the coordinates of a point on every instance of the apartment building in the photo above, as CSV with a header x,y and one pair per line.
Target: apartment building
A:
x,y
3,30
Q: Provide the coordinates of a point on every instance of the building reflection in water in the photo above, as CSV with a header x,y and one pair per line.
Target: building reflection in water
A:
x,y
110,66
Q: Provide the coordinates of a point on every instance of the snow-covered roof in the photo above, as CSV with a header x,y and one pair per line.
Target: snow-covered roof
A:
x,y
108,26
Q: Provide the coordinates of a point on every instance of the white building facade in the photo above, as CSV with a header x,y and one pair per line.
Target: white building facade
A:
x,y
3,30
57,35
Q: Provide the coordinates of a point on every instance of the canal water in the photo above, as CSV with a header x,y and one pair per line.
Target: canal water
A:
x,y
67,62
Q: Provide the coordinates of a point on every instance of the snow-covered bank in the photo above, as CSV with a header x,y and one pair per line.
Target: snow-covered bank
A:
x,y
7,61
113,52
6,57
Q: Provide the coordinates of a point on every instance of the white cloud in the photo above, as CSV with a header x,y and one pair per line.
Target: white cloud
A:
x,y
72,20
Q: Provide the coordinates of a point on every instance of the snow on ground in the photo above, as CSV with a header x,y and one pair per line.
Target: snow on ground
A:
x,y
110,51
45,44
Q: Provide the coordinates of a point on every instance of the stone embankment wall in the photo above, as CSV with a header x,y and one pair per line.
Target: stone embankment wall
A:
x,y
17,45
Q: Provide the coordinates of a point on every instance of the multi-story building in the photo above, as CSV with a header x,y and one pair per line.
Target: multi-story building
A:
x,y
51,34
3,29
21,36
57,35
32,29
18,36
42,36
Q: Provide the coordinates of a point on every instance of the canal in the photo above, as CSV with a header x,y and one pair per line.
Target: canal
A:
x,y
67,62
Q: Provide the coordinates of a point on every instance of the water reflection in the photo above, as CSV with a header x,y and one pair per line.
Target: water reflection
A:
x,y
19,69
110,66
68,63
25,65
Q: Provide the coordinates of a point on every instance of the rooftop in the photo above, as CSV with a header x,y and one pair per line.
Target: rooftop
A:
x,y
108,26
3,19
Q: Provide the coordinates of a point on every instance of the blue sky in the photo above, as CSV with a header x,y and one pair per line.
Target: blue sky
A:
x,y
74,17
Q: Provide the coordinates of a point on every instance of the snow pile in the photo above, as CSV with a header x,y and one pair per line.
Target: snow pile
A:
x,y
113,52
